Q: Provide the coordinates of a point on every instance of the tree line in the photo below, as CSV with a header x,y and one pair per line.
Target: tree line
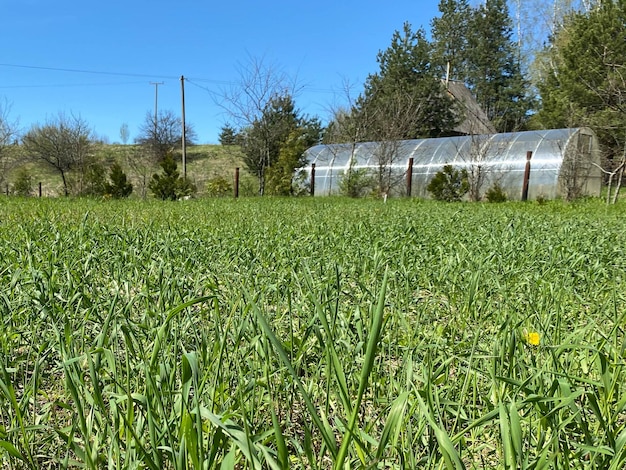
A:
x,y
576,78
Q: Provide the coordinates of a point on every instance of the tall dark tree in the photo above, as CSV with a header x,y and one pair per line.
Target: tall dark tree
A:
x,y
404,100
263,140
449,34
494,68
583,75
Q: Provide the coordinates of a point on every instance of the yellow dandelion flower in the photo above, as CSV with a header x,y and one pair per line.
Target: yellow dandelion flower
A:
x,y
533,338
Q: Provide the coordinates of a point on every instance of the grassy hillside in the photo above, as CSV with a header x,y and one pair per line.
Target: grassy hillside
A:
x,y
204,162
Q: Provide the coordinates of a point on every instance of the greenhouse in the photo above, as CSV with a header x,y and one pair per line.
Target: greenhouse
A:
x,y
558,163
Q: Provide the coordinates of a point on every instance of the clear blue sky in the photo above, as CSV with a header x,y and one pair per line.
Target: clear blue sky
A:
x,y
322,45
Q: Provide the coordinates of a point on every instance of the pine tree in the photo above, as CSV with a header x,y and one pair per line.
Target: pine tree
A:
x,y
119,187
169,184
583,75
493,72
405,99
449,33
263,141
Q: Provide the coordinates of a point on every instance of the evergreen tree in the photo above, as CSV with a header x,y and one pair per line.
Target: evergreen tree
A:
x,y
119,187
582,75
228,135
405,99
450,33
281,175
170,185
493,67
263,140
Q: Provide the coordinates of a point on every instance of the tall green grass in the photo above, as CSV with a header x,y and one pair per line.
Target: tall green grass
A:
x,y
312,333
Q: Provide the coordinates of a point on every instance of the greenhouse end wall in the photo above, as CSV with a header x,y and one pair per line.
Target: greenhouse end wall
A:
x,y
563,162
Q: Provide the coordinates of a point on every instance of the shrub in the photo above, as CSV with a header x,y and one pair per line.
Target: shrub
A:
x,y
169,184
23,184
449,184
355,183
218,186
119,187
496,194
95,182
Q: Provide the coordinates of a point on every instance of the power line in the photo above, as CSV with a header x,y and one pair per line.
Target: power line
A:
x,y
95,72
119,74
70,85
124,74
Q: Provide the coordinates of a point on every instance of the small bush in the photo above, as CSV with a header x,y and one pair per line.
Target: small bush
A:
x,y
23,184
219,186
95,181
356,183
449,184
496,194
119,187
169,184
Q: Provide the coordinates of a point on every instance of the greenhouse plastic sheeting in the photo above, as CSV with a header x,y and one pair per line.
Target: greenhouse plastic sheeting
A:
x,y
501,156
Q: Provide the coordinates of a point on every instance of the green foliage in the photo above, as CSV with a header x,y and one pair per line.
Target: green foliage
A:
x,y
228,135
356,182
274,131
289,333
281,176
493,71
405,99
496,193
581,75
119,187
170,185
477,44
449,184
218,186
95,183
450,33
23,184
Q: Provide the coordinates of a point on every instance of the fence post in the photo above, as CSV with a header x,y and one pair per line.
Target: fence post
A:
x,y
312,179
236,188
409,178
529,155
40,189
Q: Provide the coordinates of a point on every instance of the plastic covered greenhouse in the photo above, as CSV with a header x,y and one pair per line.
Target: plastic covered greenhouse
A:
x,y
561,161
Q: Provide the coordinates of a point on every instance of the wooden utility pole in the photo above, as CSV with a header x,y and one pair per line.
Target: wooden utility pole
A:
x,y
184,139
156,104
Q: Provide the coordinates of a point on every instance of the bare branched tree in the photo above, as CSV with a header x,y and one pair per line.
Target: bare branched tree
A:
x,y
65,144
8,136
161,135
261,92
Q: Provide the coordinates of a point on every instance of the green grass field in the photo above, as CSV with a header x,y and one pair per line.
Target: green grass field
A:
x,y
311,333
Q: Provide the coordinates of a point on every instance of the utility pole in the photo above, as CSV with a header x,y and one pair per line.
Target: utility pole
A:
x,y
184,139
156,103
